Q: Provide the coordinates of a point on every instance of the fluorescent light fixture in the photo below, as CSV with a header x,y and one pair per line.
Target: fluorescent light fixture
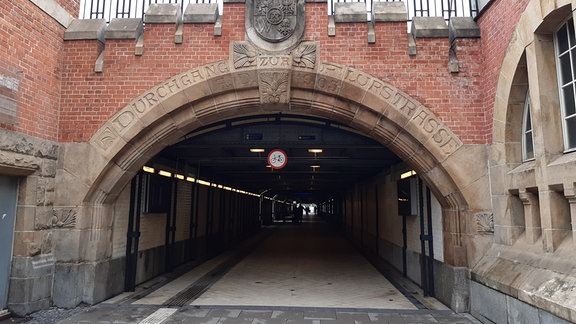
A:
x,y
148,169
179,176
190,179
315,150
202,182
257,150
407,174
314,166
165,173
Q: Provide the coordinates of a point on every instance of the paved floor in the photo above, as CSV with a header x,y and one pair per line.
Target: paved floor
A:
x,y
298,274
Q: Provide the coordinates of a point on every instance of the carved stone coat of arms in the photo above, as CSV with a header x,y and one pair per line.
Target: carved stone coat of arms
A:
x,y
274,20
275,25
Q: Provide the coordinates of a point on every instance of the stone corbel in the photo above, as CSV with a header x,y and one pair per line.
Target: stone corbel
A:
x,y
460,27
204,13
99,65
164,13
570,194
371,33
532,223
124,28
331,26
83,29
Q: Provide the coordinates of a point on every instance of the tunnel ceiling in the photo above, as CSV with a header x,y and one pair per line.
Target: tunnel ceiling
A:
x,y
220,153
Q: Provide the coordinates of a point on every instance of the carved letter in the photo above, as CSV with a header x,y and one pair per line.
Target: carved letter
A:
x,y
124,119
151,98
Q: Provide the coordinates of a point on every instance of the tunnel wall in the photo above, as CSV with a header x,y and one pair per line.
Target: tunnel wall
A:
x,y
370,218
209,220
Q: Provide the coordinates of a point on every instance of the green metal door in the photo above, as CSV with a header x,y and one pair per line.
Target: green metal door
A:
x,y
8,196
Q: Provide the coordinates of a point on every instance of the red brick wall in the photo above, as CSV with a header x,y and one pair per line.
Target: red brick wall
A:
x,y
463,100
454,97
497,25
30,46
90,102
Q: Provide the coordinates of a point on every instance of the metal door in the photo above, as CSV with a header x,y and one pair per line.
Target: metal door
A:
x,y
8,196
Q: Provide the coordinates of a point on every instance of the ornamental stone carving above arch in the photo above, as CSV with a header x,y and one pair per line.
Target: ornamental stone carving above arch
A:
x,y
271,79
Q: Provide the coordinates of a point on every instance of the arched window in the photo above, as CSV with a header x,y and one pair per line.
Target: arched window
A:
x,y
527,136
565,44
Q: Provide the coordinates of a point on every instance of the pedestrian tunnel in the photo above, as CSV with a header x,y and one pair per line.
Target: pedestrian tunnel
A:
x,y
296,189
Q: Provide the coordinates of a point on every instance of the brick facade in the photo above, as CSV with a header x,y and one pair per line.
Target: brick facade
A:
x,y
103,101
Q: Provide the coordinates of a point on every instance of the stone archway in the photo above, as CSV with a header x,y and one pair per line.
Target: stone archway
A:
x,y
252,83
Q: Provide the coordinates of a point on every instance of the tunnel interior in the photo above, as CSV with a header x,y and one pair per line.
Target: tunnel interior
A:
x,y
324,158
216,188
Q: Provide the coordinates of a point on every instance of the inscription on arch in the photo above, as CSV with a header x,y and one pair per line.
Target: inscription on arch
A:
x,y
276,75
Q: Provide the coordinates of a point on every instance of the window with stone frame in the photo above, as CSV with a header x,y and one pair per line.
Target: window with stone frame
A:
x,y
527,134
565,45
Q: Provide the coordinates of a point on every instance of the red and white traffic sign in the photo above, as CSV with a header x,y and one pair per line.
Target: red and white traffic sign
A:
x,y
277,159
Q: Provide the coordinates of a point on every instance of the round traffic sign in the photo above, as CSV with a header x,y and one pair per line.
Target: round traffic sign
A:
x,y
277,159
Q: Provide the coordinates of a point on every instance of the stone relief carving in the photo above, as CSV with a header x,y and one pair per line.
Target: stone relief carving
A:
x,y
61,218
244,55
274,87
305,56
274,20
275,25
484,222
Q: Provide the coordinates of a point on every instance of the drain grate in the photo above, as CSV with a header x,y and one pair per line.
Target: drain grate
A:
x,y
200,286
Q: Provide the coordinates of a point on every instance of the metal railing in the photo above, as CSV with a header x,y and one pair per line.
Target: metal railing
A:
x,y
108,9
425,8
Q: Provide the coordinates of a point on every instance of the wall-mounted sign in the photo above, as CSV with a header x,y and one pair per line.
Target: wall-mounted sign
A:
x,y
277,159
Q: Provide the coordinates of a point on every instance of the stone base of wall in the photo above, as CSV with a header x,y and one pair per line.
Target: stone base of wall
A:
x,y
88,282
547,282
451,284
491,306
30,284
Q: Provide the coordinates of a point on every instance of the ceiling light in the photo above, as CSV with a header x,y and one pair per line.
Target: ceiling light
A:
x,y
315,151
256,150
407,174
314,166
148,169
165,173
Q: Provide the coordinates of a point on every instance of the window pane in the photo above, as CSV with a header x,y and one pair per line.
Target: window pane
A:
x,y
571,132
573,56
562,40
570,25
569,107
528,146
528,121
565,68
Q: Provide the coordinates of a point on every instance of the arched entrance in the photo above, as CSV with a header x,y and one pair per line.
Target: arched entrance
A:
x,y
249,85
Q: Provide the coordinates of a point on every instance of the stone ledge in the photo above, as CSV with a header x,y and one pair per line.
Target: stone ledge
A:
x,y
81,29
163,13
124,28
201,13
464,27
429,27
389,11
350,12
